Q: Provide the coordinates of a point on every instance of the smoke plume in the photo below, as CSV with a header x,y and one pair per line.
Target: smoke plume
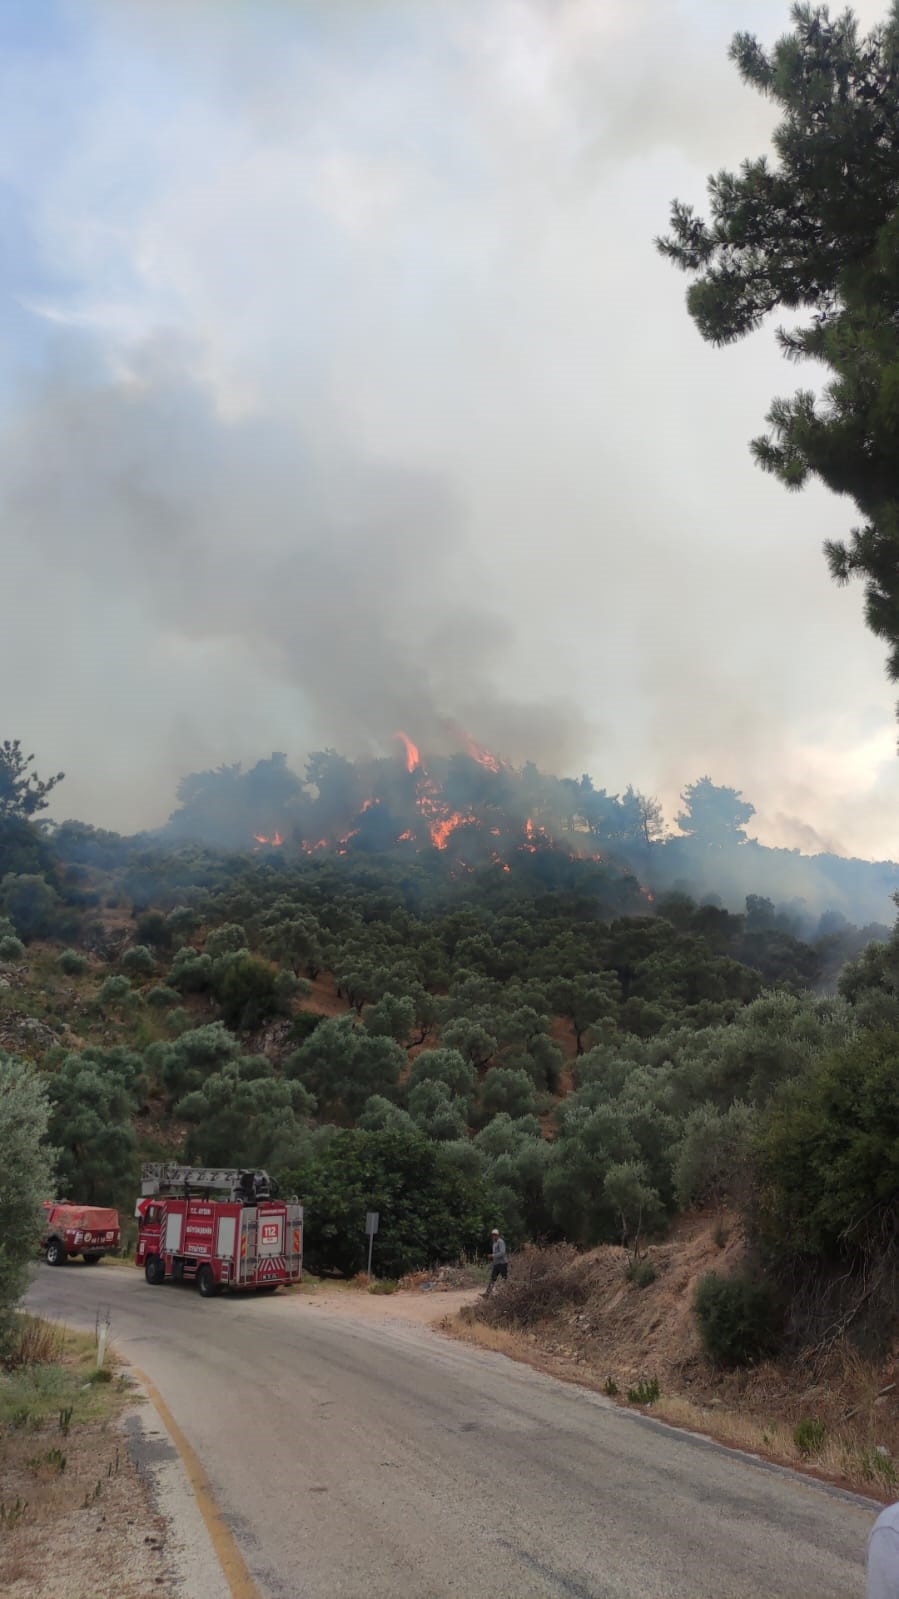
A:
x,y
344,391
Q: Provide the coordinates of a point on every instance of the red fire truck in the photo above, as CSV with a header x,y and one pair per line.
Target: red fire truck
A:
x,y
86,1230
218,1228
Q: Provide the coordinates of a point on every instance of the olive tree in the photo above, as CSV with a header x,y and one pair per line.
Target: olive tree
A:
x,y
26,1165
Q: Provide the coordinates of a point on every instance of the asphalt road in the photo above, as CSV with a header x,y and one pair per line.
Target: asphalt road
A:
x,y
381,1461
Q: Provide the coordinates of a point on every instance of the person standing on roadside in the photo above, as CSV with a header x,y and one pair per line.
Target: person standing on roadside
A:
x,y
500,1258
883,1556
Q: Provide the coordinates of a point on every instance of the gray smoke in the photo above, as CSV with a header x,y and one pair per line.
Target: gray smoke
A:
x,y
357,398
343,580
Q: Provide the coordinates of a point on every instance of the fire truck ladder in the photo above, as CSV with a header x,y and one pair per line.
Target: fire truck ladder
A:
x,y
245,1187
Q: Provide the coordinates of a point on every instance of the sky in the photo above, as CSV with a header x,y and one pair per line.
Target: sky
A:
x,y
344,390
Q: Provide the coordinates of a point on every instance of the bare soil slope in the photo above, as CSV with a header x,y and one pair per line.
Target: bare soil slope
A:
x,y
612,1333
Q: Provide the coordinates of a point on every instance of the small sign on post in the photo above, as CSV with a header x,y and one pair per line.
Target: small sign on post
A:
x,y
372,1221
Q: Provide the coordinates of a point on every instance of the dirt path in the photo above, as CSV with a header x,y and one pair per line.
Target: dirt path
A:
x,y
414,1307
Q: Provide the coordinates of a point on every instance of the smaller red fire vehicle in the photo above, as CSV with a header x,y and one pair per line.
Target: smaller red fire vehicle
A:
x,y
86,1230
218,1228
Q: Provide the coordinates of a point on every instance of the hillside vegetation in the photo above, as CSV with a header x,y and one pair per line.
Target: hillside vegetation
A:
x,y
453,1051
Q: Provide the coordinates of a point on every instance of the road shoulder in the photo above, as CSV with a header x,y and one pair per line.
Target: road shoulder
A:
x,y
202,1553
76,1518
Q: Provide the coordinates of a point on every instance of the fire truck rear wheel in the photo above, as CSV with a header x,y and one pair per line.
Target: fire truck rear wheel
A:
x,y
206,1282
55,1254
154,1270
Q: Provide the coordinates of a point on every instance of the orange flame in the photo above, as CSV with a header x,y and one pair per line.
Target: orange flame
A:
x,y
534,834
479,754
405,836
442,826
413,758
262,838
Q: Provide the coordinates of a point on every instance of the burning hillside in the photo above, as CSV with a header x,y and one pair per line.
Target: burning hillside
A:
x,y
472,810
472,806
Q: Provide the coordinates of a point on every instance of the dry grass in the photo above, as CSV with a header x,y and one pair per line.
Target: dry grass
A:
x,y
848,1456
74,1516
579,1319
39,1343
33,1393
323,997
843,1456
467,1273
544,1282
465,1325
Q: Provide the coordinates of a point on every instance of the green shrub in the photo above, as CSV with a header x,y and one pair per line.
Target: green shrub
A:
x,y
877,1468
52,1462
153,928
182,922
610,1387
829,1154
646,1392
344,1065
808,1435
384,1285
190,972
428,1212
713,1159
249,990
31,903
73,964
27,1177
14,1512
737,1319
504,1089
113,990
137,961
287,986
12,949
179,1021
161,998
226,940
303,1026
640,1272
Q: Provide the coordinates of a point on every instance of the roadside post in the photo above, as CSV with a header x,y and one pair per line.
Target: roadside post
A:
x,y
372,1221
